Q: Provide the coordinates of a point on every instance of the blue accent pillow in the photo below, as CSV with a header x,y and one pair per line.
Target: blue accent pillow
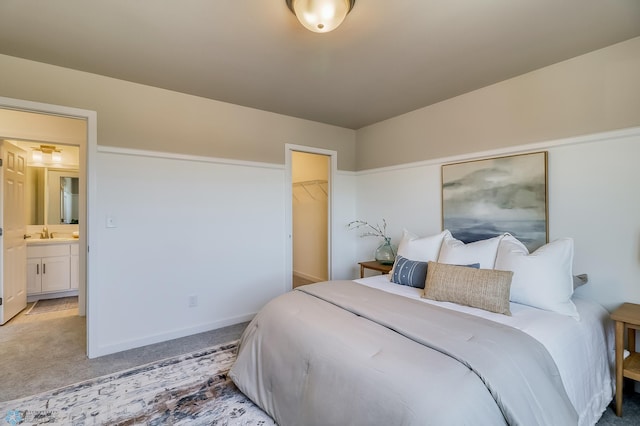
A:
x,y
413,273
409,272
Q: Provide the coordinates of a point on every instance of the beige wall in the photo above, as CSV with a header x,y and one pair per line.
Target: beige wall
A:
x,y
42,128
592,93
142,117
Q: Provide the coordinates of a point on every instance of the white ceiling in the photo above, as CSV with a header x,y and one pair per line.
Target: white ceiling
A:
x,y
387,58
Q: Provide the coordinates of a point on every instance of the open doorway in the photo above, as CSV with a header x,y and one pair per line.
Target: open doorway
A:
x,y
310,171
51,215
68,130
310,213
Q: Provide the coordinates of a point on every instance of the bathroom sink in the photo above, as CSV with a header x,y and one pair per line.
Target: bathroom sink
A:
x,y
34,240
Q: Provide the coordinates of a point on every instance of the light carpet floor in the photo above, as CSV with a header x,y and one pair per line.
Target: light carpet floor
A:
x,y
189,389
48,353
45,306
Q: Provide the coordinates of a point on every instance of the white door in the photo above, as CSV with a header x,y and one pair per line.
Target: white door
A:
x,y
13,222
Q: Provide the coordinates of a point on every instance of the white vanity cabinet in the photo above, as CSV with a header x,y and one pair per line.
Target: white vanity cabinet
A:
x,y
75,267
50,268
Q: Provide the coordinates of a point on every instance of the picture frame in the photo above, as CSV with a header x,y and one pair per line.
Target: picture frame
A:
x,y
487,197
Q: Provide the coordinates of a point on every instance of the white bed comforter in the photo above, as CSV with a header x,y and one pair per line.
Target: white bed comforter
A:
x,y
583,350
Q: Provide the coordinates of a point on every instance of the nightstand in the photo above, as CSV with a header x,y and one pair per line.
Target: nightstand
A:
x,y
626,316
375,266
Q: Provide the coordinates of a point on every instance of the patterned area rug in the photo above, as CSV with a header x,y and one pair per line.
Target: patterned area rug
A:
x,y
190,389
53,305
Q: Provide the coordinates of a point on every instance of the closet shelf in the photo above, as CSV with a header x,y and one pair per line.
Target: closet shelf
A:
x,y
319,183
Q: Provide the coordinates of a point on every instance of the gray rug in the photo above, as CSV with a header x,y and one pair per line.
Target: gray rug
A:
x,y
53,305
189,389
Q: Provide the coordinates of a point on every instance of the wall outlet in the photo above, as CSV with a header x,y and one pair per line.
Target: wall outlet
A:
x,y
193,301
110,222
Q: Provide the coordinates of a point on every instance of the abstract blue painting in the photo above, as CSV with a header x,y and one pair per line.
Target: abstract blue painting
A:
x,y
484,198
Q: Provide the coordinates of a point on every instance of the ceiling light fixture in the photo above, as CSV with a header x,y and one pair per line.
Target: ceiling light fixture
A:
x,y
320,16
55,154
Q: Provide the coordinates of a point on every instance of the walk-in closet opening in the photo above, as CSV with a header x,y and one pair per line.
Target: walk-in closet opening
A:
x,y
310,176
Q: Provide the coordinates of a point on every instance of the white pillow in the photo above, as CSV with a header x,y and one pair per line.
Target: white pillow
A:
x,y
423,249
542,279
455,252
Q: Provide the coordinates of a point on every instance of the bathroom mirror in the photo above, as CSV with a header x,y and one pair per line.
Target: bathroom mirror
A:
x,y
52,196
69,200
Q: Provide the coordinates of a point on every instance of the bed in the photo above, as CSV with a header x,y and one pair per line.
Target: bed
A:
x,y
371,351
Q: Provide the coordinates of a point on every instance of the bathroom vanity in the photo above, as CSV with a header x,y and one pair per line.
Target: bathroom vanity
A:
x,y
52,268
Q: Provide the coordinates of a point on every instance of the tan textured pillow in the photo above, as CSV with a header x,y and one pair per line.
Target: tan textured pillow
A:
x,y
486,289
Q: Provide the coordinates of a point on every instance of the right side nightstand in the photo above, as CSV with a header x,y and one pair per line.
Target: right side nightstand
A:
x,y
626,316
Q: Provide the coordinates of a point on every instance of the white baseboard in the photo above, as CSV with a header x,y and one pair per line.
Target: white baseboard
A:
x,y
308,277
57,295
163,337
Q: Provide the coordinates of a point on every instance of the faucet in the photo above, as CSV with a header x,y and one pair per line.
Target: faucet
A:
x,y
45,233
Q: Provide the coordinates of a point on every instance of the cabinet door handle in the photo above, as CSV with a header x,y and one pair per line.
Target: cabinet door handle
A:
x,y
38,269
44,268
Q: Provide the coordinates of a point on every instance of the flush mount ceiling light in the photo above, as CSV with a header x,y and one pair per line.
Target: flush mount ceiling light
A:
x,y
320,16
37,154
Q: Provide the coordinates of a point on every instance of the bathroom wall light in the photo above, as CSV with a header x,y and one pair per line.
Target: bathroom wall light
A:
x,y
38,154
320,16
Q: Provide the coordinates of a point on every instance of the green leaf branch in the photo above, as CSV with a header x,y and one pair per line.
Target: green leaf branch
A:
x,y
370,230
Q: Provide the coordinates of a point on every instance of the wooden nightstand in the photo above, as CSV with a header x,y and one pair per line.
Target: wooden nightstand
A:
x,y
626,316
374,265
